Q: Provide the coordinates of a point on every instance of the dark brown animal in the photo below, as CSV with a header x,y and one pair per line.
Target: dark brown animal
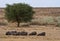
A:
x,y
41,34
33,33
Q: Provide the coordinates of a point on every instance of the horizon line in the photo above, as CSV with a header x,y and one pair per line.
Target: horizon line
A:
x,y
36,7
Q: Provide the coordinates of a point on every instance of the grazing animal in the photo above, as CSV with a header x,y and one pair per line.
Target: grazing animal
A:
x,y
19,33
41,34
22,33
33,33
11,33
8,33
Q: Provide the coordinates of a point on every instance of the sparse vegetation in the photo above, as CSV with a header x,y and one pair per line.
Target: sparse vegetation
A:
x,y
57,19
3,23
46,21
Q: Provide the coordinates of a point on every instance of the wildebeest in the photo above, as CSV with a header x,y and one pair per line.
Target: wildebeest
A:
x,y
33,33
11,33
41,34
22,33
8,33
18,33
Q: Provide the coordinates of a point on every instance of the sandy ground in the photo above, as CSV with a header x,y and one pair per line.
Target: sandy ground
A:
x,y
52,33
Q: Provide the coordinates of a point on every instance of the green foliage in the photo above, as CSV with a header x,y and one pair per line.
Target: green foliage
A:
x,y
19,12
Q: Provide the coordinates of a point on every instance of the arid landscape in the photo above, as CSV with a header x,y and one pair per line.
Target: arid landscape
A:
x,y
52,33
51,28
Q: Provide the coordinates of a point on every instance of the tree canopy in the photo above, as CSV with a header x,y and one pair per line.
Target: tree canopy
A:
x,y
19,12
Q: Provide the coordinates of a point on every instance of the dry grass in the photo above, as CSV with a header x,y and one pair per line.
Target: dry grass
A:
x,y
52,33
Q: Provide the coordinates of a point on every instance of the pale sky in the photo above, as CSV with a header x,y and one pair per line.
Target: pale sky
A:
x,y
33,3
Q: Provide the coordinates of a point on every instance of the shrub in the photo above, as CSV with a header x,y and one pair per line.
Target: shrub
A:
x,y
43,21
46,21
49,20
34,22
3,23
57,19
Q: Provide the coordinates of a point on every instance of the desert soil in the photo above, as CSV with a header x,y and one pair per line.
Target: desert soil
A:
x,y
52,33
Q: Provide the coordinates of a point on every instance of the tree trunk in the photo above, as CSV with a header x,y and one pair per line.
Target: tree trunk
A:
x,y
18,24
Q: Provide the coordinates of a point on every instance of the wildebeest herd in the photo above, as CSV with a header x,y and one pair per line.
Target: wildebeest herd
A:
x,y
23,33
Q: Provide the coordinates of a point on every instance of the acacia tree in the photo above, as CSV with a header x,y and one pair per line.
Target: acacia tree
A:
x,y
19,12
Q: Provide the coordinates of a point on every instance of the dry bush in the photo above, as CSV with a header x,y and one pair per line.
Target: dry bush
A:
x,y
57,19
3,24
43,21
34,22
49,20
